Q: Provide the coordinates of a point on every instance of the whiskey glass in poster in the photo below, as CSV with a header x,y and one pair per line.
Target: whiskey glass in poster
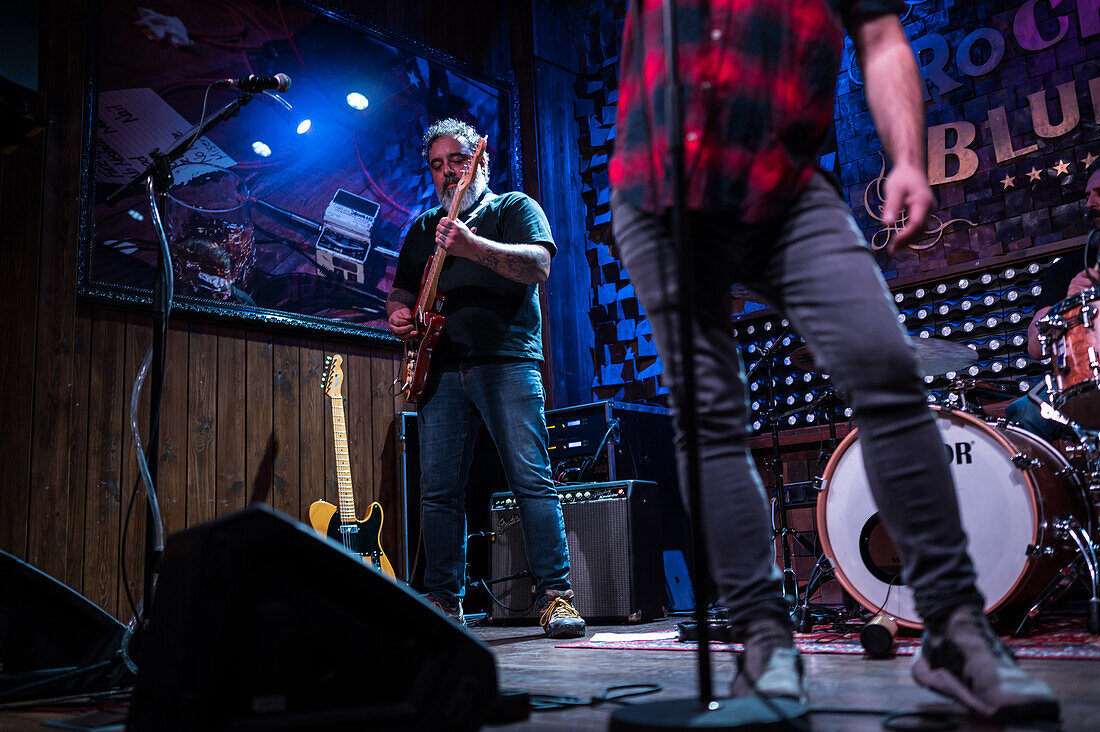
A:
x,y
210,232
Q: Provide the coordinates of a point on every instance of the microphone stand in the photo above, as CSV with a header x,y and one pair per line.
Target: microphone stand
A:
x,y
157,178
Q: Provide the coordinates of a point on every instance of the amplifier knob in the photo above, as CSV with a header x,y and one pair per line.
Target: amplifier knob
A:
x,y
587,494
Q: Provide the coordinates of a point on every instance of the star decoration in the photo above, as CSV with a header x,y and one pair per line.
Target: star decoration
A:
x,y
1008,182
1034,174
1060,168
1088,160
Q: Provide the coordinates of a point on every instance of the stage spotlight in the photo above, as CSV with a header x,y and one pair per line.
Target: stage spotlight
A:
x,y
261,149
357,101
303,126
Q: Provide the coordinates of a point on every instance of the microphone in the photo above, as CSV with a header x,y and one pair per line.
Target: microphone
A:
x,y
252,84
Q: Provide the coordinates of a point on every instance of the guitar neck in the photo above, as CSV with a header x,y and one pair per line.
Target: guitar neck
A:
x,y
431,283
343,462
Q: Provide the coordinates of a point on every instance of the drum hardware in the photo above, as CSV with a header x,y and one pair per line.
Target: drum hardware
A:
x,y
774,463
1023,462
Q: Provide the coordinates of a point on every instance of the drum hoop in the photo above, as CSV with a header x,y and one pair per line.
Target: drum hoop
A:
x,y
822,501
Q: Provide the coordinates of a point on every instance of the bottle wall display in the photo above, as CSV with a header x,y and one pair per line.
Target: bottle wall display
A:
x,y
988,311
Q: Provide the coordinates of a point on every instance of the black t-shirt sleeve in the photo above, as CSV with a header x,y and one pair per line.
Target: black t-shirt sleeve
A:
x,y
522,221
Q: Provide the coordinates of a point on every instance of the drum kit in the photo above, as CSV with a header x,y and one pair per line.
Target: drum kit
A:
x,y
1029,507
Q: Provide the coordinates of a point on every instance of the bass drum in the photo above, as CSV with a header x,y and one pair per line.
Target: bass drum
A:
x,y
1012,486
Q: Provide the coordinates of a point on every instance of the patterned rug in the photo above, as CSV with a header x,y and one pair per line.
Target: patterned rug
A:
x,y
1062,638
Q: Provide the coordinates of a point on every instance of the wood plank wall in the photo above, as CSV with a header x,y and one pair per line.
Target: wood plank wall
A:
x,y
244,417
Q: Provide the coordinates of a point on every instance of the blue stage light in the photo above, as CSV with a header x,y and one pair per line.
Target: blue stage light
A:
x,y
357,101
261,149
135,215
303,126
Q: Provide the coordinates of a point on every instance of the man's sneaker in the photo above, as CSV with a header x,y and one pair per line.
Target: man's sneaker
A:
x,y
452,612
967,663
558,617
770,665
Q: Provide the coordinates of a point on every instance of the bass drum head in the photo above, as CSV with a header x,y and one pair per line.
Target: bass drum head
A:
x,y
996,503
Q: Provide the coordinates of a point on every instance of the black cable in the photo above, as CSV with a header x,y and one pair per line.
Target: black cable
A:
x,y
485,586
612,694
65,674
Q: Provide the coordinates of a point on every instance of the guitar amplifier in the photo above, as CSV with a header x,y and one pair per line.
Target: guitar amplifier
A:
x,y
616,566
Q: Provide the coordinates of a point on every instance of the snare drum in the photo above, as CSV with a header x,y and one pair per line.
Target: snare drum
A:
x,y
1011,486
1070,335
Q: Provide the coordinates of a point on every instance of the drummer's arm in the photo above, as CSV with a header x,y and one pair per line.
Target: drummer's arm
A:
x,y
1083,280
1033,347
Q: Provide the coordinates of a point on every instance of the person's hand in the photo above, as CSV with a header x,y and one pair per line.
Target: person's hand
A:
x,y
1082,282
402,324
456,238
907,190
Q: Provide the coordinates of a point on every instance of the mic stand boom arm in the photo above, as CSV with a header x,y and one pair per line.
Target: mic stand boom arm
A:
x,y
181,146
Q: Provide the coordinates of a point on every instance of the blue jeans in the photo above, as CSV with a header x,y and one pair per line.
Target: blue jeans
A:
x,y
815,267
507,397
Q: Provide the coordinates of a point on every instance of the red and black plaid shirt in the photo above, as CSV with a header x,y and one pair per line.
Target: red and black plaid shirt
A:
x,y
758,76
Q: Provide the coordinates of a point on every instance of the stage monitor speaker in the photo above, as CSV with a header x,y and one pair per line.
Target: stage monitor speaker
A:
x,y
259,624
614,536
53,640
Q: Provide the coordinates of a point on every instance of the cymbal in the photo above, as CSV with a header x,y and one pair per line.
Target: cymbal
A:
x,y
934,356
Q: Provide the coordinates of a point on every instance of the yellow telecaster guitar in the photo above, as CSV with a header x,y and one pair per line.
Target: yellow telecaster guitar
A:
x,y
361,537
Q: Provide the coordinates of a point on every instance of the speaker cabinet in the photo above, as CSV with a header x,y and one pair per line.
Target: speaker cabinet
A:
x,y
614,535
47,629
259,624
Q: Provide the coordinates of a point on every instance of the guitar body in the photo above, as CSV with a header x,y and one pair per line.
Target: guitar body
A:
x,y
365,539
419,361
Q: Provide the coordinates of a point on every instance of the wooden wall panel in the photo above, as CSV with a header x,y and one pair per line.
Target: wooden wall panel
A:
x,y
259,446
231,425
172,465
202,417
103,488
20,207
285,438
73,549
312,425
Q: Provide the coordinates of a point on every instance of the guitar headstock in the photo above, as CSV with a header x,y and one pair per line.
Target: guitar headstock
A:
x,y
333,378
467,177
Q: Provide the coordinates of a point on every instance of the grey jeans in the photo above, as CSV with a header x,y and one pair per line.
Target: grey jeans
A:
x,y
814,266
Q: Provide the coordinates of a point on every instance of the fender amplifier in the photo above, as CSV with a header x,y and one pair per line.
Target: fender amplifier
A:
x,y
613,531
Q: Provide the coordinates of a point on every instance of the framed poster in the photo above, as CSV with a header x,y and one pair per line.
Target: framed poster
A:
x,y
293,211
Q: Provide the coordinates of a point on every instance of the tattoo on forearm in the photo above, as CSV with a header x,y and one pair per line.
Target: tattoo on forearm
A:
x,y
526,263
399,298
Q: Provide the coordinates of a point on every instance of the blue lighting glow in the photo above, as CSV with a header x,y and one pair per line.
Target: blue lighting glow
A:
x,y
261,149
357,101
135,215
303,126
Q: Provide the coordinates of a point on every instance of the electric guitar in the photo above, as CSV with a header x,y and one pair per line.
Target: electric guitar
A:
x,y
427,316
361,537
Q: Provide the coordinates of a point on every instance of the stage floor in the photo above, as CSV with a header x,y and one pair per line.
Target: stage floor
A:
x,y
527,661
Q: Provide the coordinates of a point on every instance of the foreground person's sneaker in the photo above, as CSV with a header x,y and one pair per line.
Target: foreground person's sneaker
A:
x,y
558,617
966,662
770,665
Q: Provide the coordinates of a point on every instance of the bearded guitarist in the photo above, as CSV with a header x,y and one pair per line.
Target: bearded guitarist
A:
x,y
484,368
